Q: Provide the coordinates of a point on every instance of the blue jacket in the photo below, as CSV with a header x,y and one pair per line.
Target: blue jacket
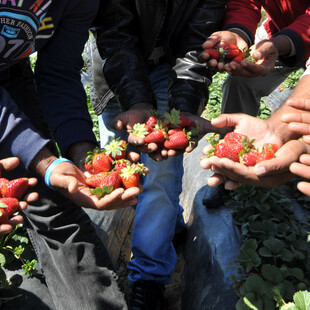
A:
x,y
57,30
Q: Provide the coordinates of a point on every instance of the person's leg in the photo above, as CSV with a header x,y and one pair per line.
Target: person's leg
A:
x,y
243,94
158,210
75,263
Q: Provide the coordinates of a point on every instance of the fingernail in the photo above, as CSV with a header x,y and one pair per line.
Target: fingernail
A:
x,y
260,170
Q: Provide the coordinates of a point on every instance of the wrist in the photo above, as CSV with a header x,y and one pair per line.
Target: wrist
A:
x,y
77,152
50,169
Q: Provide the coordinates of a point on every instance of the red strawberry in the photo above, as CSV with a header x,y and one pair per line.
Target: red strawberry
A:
x,y
4,219
120,164
176,119
2,182
178,141
272,146
116,148
231,51
102,162
90,168
226,150
112,179
265,154
11,205
174,130
238,58
234,137
249,159
152,120
141,130
213,53
157,136
130,177
96,179
15,188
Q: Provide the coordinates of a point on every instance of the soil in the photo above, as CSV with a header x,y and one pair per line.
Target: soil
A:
x,y
173,291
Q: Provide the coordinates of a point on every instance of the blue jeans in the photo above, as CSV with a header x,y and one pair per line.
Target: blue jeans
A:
x,y
76,266
158,214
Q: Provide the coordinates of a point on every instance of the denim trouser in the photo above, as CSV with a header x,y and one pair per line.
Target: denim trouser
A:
x,y
242,94
75,263
158,213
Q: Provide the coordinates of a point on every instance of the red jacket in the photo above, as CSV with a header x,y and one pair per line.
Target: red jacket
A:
x,y
289,17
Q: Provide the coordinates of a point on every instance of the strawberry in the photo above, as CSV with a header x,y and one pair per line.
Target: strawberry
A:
x,y
152,120
178,141
174,130
90,168
176,119
112,179
274,147
15,188
141,130
157,136
213,53
4,219
231,51
233,137
120,164
11,205
238,58
2,182
265,154
130,177
96,179
96,161
116,148
249,159
102,162
228,150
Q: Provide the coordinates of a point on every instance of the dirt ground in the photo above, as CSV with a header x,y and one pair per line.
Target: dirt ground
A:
x,y
173,290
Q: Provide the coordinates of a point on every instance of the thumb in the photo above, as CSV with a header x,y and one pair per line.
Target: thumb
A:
x,y
226,120
117,123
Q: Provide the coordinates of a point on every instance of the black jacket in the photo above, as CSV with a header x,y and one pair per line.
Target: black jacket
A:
x,y
127,34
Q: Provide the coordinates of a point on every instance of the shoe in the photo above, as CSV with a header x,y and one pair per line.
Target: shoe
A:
x,y
147,295
214,196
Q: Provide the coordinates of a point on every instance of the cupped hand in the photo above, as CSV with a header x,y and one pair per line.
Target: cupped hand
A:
x,y
70,181
268,173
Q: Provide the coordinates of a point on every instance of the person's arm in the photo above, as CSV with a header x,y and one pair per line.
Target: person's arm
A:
x,y
58,78
118,38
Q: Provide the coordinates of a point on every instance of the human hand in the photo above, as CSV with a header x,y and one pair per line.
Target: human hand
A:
x,y
264,54
299,120
216,40
8,164
70,181
268,173
302,169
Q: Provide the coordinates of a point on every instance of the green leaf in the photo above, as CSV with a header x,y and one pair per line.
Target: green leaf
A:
x,y
272,273
252,303
265,252
2,260
286,255
250,244
297,273
255,284
274,245
302,300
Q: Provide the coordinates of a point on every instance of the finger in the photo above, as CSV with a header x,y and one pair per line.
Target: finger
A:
x,y
296,117
31,197
226,120
135,140
300,170
9,163
205,163
131,193
117,124
306,139
215,180
15,220
5,229
231,185
304,187
299,103
300,128
32,181
133,156
305,159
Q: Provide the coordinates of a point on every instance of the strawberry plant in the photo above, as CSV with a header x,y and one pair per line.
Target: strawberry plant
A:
x,y
275,246
16,252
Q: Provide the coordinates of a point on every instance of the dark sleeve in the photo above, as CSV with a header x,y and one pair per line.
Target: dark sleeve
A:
x,y
118,40
18,137
190,79
57,74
